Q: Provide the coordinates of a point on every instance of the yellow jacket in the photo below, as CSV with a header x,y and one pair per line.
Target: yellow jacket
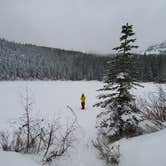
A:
x,y
83,98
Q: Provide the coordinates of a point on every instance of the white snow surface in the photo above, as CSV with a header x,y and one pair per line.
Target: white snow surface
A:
x,y
50,101
147,150
15,159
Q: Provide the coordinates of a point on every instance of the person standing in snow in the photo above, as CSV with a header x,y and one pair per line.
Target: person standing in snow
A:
x,y
83,98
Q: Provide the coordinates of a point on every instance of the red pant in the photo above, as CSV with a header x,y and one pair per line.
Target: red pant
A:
x,y
83,105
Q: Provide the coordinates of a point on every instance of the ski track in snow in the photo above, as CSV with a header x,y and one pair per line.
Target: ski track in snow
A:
x,y
50,100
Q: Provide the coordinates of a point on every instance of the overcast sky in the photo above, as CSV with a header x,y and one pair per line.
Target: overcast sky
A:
x,y
85,25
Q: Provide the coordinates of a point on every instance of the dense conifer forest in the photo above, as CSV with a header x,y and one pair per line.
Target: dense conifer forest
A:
x,y
30,62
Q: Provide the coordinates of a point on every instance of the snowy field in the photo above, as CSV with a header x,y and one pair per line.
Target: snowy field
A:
x,y
50,100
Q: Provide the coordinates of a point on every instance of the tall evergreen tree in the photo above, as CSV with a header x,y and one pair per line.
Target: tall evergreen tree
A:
x,y
120,117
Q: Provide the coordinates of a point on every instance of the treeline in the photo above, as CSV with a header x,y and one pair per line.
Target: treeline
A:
x,y
29,62
25,61
152,67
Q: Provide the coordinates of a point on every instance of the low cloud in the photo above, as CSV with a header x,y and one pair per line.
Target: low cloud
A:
x,y
86,25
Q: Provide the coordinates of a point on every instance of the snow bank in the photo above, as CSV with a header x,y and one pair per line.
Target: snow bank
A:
x,y
147,150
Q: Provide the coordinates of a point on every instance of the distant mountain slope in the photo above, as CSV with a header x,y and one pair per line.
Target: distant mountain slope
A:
x,y
30,62
157,49
26,61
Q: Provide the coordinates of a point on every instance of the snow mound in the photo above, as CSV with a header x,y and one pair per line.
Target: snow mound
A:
x,y
15,159
147,150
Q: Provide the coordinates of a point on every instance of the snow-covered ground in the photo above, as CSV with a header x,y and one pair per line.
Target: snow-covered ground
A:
x,y
15,159
147,150
51,99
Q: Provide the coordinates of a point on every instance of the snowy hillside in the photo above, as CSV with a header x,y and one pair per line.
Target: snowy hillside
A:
x,y
50,101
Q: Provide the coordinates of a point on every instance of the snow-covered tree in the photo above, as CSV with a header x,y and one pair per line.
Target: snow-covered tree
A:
x,y
120,116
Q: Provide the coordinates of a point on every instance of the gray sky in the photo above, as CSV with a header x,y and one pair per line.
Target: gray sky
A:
x,y
85,25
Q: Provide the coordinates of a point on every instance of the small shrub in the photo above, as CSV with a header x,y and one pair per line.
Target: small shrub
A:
x,y
154,108
38,136
4,141
108,152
